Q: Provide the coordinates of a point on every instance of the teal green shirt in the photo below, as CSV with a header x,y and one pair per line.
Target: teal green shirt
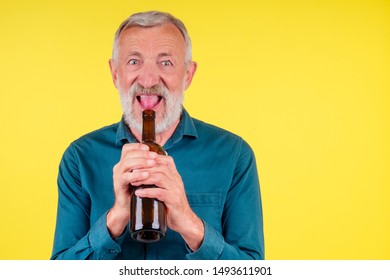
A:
x,y
220,177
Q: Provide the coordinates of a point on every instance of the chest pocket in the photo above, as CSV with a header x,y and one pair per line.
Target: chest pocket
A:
x,y
208,207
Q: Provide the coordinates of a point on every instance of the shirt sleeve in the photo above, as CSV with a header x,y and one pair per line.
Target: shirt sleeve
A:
x,y
74,237
242,234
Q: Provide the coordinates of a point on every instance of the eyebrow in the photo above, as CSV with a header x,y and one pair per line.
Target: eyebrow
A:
x,y
164,54
134,54
160,55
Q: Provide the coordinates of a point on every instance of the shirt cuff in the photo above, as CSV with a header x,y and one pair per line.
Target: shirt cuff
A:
x,y
101,240
211,247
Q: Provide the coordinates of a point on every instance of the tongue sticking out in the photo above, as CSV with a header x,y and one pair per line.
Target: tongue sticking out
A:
x,y
149,101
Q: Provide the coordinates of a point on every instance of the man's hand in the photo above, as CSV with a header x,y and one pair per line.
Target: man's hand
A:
x,y
180,217
134,158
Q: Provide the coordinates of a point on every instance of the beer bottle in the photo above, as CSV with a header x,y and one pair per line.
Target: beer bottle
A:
x,y
148,221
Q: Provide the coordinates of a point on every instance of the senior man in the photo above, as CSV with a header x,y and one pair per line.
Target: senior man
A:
x,y
208,182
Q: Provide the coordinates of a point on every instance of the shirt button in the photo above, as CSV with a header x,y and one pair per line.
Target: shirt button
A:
x,y
113,251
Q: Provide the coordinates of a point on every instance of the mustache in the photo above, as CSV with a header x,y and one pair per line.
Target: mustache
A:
x,y
158,89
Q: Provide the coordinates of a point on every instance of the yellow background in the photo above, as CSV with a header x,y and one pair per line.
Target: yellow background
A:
x,y
306,83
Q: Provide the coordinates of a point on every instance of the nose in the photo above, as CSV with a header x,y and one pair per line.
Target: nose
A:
x,y
148,75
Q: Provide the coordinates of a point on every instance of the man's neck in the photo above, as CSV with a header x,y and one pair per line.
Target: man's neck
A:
x,y
161,138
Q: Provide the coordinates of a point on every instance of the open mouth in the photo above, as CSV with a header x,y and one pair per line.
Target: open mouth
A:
x,y
149,101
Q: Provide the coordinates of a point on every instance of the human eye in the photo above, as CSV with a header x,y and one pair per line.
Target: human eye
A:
x,y
166,63
133,62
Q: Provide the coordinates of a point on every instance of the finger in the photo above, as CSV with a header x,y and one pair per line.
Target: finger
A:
x,y
132,177
156,193
138,154
158,180
128,165
131,147
166,160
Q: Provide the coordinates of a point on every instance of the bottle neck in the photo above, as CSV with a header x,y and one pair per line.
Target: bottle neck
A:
x,y
148,130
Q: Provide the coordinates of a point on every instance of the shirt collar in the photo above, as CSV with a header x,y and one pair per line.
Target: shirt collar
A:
x,y
186,127
123,134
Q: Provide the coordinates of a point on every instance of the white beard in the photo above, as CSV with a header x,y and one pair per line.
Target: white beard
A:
x,y
173,107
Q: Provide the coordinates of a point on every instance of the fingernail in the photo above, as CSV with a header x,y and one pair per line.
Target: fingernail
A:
x,y
145,148
138,193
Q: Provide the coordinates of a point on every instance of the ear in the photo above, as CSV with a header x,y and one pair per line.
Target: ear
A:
x,y
113,70
191,69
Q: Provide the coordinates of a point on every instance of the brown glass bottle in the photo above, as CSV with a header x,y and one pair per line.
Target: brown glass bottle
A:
x,y
148,221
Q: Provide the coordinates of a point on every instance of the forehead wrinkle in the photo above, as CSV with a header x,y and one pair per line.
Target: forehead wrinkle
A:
x,y
167,43
166,51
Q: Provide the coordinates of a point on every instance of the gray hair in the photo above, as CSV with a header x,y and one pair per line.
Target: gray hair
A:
x,y
151,19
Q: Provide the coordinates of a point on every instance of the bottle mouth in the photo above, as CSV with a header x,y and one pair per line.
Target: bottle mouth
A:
x,y
149,114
